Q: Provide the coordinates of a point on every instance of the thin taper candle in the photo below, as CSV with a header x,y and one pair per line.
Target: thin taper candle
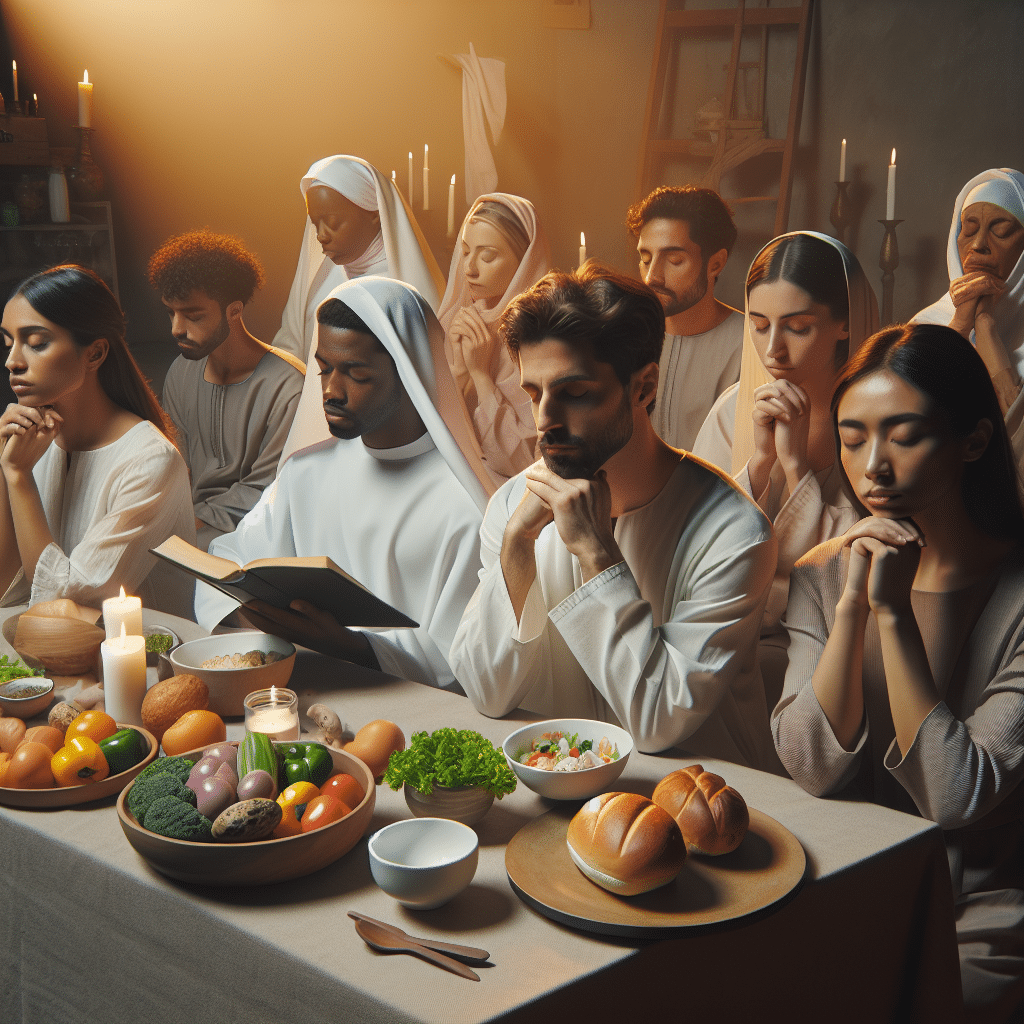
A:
x,y
890,191
451,207
410,178
842,161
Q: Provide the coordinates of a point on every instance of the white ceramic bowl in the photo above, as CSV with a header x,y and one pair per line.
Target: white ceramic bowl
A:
x,y
581,785
424,862
229,686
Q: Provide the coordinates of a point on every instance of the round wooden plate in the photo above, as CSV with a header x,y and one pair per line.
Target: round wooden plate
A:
x,y
68,796
766,868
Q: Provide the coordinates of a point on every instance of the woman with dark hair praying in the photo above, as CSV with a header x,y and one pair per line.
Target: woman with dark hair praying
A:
x,y
809,307
91,479
905,683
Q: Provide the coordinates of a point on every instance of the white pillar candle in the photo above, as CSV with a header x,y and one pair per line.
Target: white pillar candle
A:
x,y
842,161
451,207
274,712
85,103
426,178
583,249
14,75
122,611
890,191
124,677
409,197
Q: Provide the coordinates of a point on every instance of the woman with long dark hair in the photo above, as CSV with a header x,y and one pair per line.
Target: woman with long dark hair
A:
x,y
905,683
90,477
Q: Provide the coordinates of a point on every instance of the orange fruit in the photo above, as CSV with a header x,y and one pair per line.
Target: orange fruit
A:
x,y
97,725
345,788
194,729
375,743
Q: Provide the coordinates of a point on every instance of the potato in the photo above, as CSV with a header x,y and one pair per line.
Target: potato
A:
x,y
167,701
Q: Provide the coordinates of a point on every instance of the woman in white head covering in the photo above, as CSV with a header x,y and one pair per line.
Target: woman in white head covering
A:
x,y
809,307
359,224
502,251
985,301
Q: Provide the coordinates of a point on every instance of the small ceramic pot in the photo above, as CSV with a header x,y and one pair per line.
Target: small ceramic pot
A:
x,y
467,804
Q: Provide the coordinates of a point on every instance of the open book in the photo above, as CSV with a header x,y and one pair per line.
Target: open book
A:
x,y
279,581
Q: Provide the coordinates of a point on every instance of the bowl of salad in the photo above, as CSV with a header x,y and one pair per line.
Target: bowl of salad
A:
x,y
568,758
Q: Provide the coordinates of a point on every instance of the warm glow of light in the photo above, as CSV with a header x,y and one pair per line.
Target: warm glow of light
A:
x,y
893,160
122,594
583,240
124,631
453,179
86,79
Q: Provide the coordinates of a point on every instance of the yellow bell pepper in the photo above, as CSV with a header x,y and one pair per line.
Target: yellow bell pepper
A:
x,y
79,762
293,800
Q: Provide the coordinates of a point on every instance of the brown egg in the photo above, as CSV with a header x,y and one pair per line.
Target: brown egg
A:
x,y
375,743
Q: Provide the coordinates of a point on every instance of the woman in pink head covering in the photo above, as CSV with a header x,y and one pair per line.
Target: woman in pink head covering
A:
x,y
502,251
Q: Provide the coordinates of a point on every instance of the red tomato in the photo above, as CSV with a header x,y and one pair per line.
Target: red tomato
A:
x,y
322,810
345,788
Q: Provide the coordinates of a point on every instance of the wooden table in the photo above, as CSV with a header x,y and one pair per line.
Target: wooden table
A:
x,y
91,933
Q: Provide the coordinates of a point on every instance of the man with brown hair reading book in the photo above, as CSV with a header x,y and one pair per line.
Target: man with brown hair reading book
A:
x,y
390,498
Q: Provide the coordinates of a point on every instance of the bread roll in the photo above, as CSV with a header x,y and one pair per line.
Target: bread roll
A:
x,y
168,700
625,843
712,816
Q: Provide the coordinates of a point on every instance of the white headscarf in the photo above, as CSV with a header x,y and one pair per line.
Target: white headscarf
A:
x,y
863,323
400,251
536,262
1004,187
399,317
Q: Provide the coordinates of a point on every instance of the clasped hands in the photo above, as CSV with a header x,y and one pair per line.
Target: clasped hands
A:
x,y
884,556
973,296
26,432
581,511
472,341
782,417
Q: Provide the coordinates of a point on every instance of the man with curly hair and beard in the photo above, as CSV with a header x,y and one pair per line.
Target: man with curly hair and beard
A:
x,y
231,396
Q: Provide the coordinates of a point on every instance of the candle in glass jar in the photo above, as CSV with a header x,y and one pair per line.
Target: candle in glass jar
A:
x,y
85,103
122,611
274,711
124,677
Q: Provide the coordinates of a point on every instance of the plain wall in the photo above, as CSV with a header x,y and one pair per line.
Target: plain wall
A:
x,y
208,114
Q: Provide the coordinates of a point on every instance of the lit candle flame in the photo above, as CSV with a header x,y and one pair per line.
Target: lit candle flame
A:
x,y
124,632
893,160
453,179
86,79
122,594
273,694
583,240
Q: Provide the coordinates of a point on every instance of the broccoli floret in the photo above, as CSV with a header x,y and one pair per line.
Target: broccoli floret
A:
x,y
171,817
178,766
145,791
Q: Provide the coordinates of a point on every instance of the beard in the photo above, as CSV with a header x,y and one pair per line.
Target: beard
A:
x,y
195,351
589,455
674,303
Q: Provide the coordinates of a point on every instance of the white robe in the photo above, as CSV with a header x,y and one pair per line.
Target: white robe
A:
x,y
665,642
693,371
105,509
395,519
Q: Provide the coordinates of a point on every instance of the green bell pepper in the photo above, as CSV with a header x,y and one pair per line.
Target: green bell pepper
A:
x,y
124,750
306,762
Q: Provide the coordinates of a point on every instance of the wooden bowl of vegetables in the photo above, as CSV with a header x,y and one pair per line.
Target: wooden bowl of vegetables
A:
x,y
261,861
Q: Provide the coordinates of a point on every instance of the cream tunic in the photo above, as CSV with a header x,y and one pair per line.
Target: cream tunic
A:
x,y
694,370
105,509
664,642
965,765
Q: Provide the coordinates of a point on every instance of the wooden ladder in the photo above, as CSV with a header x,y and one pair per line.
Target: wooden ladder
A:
x,y
732,140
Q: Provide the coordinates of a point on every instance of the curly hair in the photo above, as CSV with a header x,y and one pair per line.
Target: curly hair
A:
x,y
620,318
218,265
707,214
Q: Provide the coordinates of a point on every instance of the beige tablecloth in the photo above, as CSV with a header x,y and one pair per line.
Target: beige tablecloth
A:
x,y
90,933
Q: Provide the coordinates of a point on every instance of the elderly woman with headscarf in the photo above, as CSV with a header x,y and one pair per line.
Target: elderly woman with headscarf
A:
x,y
985,301
809,307
358,225
502,251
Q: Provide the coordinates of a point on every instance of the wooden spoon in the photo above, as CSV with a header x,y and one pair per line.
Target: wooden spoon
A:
x,y
471,953
379,938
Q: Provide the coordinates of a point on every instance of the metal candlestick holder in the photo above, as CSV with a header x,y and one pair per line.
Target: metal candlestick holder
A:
x,y
888,261
85,179
841,214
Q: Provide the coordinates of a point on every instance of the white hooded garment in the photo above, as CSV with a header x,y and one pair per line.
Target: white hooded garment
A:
x,y
400,251
502,423
404,521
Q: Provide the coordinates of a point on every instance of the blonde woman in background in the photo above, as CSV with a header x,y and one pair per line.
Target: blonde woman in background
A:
x,y
502,251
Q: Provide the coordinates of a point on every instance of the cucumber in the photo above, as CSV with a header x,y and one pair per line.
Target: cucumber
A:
x,y
256,752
